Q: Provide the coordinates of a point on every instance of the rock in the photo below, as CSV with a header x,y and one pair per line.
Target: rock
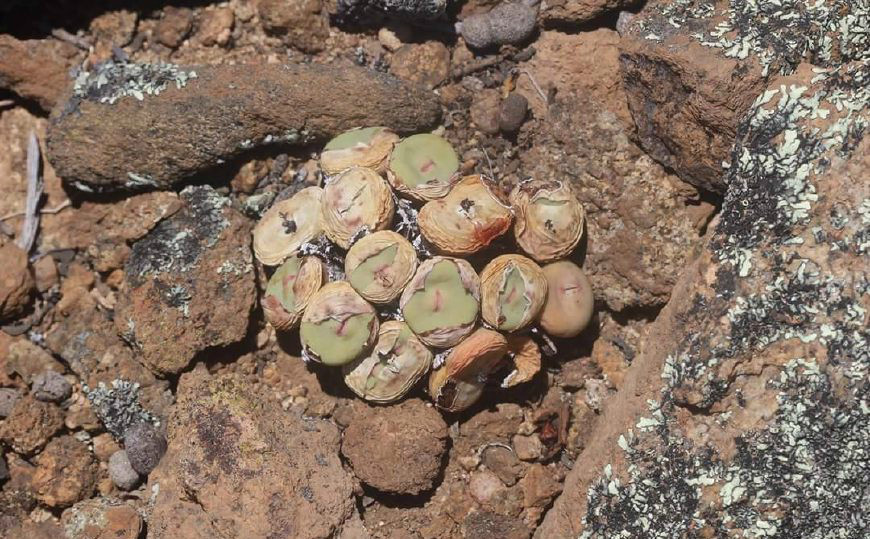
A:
x,y
66,472
748,350
145,446
16,496
101,518
189,284
686,98
582,63
356,12
611,361
104,446
491,425
228,110
580,11
45,274
36,69
240,466
35,530
512,113
16,281
503,463
174,26
484,486
215,26
484,110
8,398
398,448
114,28
426,64
30,425
528,447
486,524
390,37
508,23
299,24
640,231
539,486
121,471
50,386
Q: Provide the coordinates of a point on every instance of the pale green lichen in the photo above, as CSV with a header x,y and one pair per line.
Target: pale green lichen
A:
x,y
110,81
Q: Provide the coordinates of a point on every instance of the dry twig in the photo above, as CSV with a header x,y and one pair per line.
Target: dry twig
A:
x,y
34,195
74,40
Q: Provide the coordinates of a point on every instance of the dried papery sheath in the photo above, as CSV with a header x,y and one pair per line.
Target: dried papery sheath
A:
x,y
368,147
380,265
398,360
570,302
287,225
526,356
512,291
338,325
466,220
423,167
290,288
357,198
459,382
442,301
549,219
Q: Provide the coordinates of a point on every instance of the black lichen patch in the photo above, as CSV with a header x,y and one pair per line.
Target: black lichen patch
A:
x,y
175,245
217,434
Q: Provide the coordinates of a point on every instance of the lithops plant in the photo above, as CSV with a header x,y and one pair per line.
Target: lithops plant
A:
x,y
465,221
379,265
459,382
287,225
442,301
358,198
338,325
290,288
423,167
570,301
398,360
365,147
512,291
549,219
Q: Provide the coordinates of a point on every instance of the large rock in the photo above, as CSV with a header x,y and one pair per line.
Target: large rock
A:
x,y
129,126
36,69
189,283
692,69
746,412
30,425
66,472
16,281
640,219
579,11
101,518
240,466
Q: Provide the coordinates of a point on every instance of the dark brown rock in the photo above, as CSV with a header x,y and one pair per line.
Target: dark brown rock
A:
x,y
300,24
580,11
174,26
16,281
512,113
486,524
30,425
189,284
101,518
397,448
227,110
240,466
484,110
66,472
35,69
426,64
145,446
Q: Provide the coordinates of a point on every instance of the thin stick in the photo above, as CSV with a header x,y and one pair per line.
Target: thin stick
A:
x,y
535,84
74,40
6,102
488,162
57,209
34,194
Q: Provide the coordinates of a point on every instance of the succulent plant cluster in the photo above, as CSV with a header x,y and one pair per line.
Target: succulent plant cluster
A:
x,y
376,269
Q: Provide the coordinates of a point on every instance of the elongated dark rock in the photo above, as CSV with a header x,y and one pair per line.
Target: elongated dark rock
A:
x,y
141,126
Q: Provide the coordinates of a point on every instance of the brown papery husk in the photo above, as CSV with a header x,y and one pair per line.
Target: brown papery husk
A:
x,y
356,198
547,237
466,220
375,155
287,225
491,283
398,274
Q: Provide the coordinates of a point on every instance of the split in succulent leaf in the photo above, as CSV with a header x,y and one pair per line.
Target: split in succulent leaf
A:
x,y
513,291
380,265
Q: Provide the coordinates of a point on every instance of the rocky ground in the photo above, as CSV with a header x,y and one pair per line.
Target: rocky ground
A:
x,y
718,149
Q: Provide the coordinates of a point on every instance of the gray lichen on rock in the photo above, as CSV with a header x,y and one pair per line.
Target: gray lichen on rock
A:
x,y
110,81
118,406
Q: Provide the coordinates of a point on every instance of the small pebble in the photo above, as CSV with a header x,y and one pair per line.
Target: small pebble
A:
x,y
8,397
145,446
506,24
512,113
121,471
51,386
